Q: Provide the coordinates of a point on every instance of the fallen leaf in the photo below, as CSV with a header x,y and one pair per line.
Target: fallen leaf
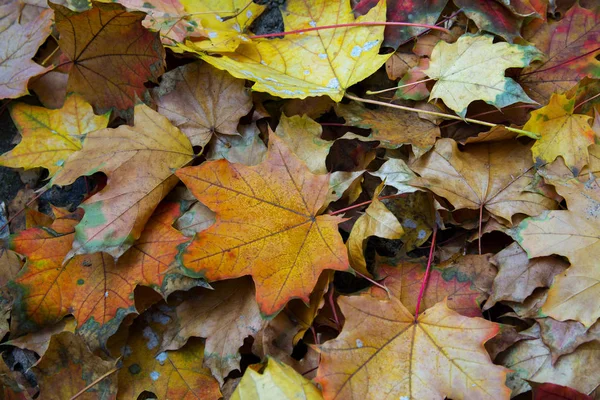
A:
x,y
571,48
224,316
165,16
568,234
394,172
140,163
391,127
324,62
492,16
496,177
245,148
550,391
341,182
421,12
473,69
518,276
302,135
196,219
564,337
109,54
49,137
275,203
18,45
275,381
175,374
415,211
562,132
376,221
411,87
531,362
382,349
68,366
201,101
446,281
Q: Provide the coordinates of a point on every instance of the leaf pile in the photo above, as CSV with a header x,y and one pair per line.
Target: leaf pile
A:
x,y
260,218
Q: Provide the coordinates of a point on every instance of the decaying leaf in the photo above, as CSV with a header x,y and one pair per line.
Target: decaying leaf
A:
x,y
269,206
110,55
570,46
140,163
492,16
224,316
18,45
324,62
51,136
382,349
202,101
473,69
391,127
518,276
68,366
175,374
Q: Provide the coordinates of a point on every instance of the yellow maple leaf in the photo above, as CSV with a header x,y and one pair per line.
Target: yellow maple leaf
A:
x,y
562,133
51,136
382,349
322,62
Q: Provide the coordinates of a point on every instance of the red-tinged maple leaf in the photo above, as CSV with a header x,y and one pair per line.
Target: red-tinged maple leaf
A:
x,y
110,54
415,11
98,292
266,226
491,16
571,47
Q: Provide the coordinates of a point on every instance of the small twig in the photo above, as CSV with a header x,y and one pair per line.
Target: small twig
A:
x,y
426,277
318,28
50,56
379,285
399,87
585,101
332,305
442,115
82,391
366,202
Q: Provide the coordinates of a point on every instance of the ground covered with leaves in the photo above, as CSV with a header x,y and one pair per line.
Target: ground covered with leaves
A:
x,y
300,199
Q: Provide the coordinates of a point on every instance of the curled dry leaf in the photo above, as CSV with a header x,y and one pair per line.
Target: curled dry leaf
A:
x,y
382,349
18,45
497,177
109,54
531,361
376,221
564,337
49,137
68,366
269,206
323,62
473,69
245,148
140,161
201,101
573,294
518,276
224,316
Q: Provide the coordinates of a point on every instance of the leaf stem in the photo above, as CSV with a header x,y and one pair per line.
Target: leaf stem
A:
x,y
352,207
82,391
585,101
318,28
426,277
399,87
442,115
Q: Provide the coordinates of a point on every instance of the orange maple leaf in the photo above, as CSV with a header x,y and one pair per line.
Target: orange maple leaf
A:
x,y
266,226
